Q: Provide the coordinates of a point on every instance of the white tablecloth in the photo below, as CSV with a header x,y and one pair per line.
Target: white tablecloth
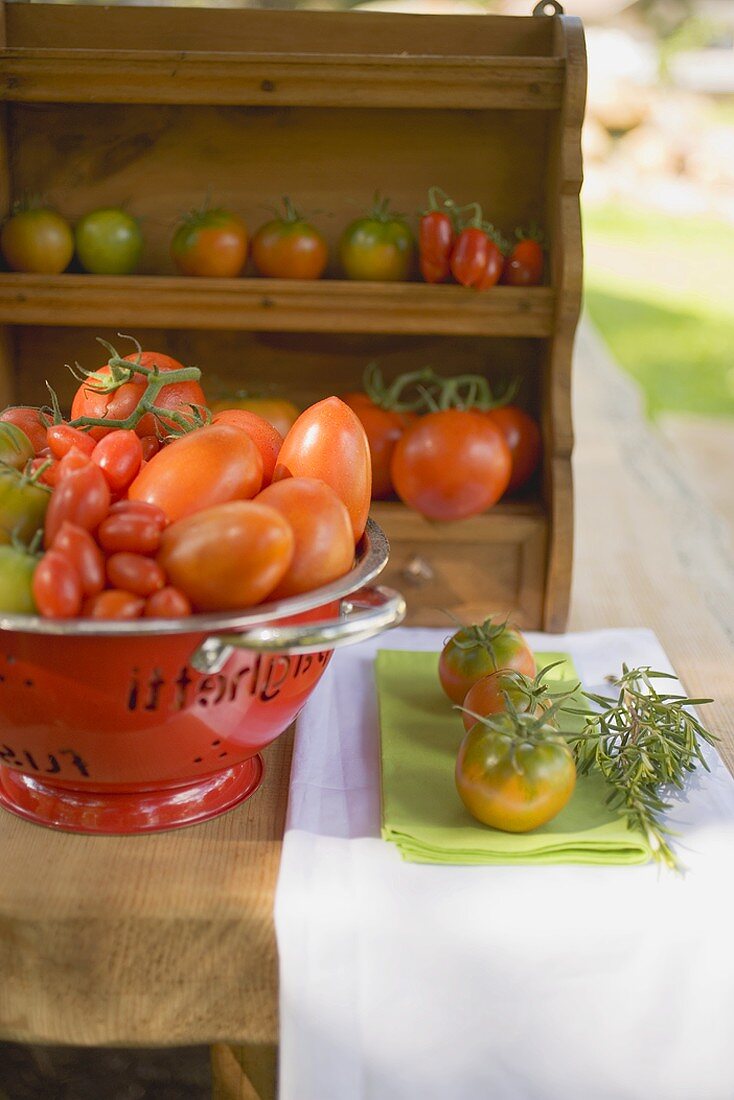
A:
x,y
408,982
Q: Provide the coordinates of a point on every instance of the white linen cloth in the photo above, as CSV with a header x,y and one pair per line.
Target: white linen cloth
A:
x,y
401,981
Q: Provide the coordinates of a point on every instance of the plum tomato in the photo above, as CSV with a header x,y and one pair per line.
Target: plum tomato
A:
x,y
266,438
328,442
57,587
228,557
279,412
108,241
210,243
81,496
16,448
514,772
17,567
79,547
135,573
167,603
62,437
288,247
448,465
119,456
522,436
113,603
140,508
30,421
475,651
209,466
130,532
324,543
383,428
37,240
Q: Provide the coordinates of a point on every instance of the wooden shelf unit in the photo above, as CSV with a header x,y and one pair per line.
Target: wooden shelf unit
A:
x,y
488,107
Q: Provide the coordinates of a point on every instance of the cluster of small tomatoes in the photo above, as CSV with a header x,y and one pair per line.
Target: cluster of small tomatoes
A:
x,y
452,451
514,769
144,503
214,242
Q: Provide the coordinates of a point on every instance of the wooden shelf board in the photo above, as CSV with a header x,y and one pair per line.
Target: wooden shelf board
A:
x,y
326,305
509,519
42,75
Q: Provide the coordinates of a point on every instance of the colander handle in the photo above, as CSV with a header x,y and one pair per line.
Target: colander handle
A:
x,y
361,616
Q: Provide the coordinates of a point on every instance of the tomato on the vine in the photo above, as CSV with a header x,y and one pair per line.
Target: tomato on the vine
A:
x,y
476,651
210,243
378,247
383,428
289,247
522,435
450,465
37,240
490,695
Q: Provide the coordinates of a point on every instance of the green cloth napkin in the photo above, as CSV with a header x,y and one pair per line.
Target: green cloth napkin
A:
x,y
421,810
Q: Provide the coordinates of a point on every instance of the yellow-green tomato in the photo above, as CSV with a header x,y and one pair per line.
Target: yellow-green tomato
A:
x,y
23,504
37,240
17,567
15,446
511,778
379,247
108,242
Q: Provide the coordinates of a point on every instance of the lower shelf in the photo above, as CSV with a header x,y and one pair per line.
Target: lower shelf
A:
x,y
495,563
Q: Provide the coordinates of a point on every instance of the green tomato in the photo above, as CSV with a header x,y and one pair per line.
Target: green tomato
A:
x,y
17,567
15,446
108,242
379,247
23,504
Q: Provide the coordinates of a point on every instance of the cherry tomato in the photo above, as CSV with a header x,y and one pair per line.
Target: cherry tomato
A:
x,y
447,465
109,242
476,651
379,247
210,242
57,587
522,436
113,603
62,437
119,456
151,446
23,503
324,543
81,496
16,448
37,240
277,411
262,433
168,603
515,773
436,240
117,405
17,567
209,466
228,557
140,508
328,442
135,573
383,428
129,531
289,248
524,265
78,547
30,421
489,696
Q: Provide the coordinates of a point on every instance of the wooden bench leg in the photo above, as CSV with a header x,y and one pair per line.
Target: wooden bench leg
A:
x,y
243,1072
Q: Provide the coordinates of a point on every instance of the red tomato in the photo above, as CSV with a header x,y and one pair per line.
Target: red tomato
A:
x,y
28,420
209,466
119,456
129,531
262,433
79,547
81,496
383,428
140,508
448,466
324,547
135,573
74,459
50,474
435,243
151,446
476,651
492,269
289,248
210,242
524,265
469,257
62,437
228,557
57,588
168,603
114,603
118,405
328,442
522,436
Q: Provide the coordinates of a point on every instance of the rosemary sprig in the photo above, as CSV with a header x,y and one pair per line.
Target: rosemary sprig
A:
x,y
642,742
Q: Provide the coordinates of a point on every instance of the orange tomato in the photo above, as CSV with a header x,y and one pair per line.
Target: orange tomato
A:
x,y
277,411
266,438
210,243
208,466
289,248
322,529
328,442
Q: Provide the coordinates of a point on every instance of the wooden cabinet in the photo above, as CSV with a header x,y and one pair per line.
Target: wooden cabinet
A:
x,y
157,107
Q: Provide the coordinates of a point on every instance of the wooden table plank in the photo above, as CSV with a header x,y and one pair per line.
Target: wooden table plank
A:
x,y
169,939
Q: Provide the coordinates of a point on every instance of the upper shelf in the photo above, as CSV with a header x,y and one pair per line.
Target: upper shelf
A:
x,y
52,75
326,305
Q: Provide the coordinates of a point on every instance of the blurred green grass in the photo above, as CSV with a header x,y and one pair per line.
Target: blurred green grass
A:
x,y
660,290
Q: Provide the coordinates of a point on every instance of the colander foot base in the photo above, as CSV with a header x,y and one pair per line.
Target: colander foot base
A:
x,y
83,810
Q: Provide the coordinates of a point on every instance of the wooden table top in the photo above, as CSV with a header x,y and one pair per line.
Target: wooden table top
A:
x,y
169,939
